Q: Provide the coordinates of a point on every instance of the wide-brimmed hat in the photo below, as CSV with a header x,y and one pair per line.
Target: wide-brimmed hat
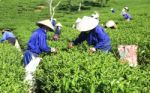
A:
x,y
46,23
78,20
59,24
110,24
95,15
126,8
87,24
7,29
112,9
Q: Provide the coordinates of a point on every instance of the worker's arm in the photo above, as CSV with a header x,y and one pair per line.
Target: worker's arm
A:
x,y
43,44
3,37
82,37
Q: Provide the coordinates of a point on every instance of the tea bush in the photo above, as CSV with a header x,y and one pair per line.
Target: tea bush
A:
x,y
11,69
76,70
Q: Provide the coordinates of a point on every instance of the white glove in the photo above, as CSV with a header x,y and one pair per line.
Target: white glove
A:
x,y
53,49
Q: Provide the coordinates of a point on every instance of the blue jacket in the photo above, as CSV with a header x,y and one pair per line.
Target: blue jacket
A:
x,y
37,43
127,16
7,35
96,37
58,32
53,22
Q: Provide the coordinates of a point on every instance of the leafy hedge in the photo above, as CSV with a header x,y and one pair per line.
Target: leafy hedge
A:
x,y
76,70
11,69
89,73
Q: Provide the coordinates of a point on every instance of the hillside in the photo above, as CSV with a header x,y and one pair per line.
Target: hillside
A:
x,y
76,70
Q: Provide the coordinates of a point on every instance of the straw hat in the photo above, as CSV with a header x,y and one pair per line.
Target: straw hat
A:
x,y
59,24
86,24
95,15
112,9
110,24
46,23
126,8
78,20
53,19
7,29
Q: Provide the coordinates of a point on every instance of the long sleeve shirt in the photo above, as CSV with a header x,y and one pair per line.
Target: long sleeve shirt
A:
x,y
58,30
53,22
7,35
127,16
123,11
37,43
96,37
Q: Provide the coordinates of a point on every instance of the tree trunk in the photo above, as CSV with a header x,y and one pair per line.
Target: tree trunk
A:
x,y
70,4
80,5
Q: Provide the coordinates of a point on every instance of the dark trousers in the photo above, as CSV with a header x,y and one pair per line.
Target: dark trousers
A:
x,y
12,40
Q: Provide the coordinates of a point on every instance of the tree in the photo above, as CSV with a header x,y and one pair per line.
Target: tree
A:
x,y
52,9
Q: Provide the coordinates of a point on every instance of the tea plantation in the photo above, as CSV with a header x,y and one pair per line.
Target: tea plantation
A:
x,y
76,70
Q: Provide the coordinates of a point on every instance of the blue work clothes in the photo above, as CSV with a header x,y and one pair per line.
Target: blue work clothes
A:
x,y
6,36
58,30
53,22
96,37
28,55
127,16
113,11
37,43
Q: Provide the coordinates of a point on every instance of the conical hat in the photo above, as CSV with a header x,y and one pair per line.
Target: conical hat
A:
x,y
78,20
47,23
112,9
87,24
110,23
126,8
59,24
95,15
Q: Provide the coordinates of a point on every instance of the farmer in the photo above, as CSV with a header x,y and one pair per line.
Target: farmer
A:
x,y
110,24
36,45
93,34
125,14
95,15
10,37
57,31
57,27
112,10
53,21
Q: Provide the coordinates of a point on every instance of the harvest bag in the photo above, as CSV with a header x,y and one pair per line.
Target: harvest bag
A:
x,y
17,45
31,67
128,53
